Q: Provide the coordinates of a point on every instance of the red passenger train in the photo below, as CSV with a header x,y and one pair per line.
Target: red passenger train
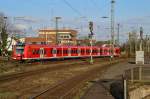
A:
x,y
36,51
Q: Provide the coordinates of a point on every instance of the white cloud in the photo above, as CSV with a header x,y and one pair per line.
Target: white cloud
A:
x,y
21,26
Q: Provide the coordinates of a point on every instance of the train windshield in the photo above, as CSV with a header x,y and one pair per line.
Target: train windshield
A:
x,y
20,48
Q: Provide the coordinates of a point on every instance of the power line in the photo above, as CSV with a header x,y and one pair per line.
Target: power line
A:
x,y
97,7
94,4
75,10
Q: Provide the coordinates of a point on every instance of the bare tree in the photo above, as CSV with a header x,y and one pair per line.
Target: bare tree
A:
x,y
3,34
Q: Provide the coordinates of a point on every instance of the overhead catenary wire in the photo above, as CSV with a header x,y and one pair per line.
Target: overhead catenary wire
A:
x,y
69,5
97,7
94,4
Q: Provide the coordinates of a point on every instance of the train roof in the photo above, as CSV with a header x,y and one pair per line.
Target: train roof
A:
x,y
42,45
58,46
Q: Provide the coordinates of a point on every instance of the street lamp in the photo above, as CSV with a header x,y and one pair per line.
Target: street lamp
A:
x,y
56,21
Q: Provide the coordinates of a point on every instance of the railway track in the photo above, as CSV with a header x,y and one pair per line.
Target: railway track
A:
x,y
8,66
29,90
54,65
69,88
59,66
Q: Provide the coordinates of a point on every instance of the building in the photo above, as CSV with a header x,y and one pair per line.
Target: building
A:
x,y
35,40
64,37
10,43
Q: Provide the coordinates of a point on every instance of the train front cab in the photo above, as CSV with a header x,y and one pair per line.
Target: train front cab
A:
x,y
18,52
117,52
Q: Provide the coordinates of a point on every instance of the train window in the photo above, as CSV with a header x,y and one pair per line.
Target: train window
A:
x,y
44,51
86,51
101,50
111,51
54,51
19,51
37,52
33,51
105,50
82,51
93,51
96,51
72,51
65,51
89,51
76,51
58,51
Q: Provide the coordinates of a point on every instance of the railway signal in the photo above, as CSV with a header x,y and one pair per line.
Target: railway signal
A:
x,y
91,27
90,37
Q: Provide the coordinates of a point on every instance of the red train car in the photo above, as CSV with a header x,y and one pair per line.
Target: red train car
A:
x,y
34,51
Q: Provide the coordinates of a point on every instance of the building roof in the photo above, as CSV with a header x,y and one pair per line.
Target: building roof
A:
x,y
72,32
34,39
54,30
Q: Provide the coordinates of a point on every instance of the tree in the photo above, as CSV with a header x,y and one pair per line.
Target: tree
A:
x,y
3,35
98,43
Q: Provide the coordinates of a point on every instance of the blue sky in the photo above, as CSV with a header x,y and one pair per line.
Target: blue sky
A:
x,y
129,13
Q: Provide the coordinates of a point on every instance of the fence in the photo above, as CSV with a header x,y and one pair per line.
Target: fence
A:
x,y
135,81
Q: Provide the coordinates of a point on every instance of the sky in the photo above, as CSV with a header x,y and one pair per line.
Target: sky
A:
x,y
75,14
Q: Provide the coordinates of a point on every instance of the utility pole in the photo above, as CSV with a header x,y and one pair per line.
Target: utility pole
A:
x,y
136,40
141,37
130,45
118,33
146,48
112,25
56,21
148,45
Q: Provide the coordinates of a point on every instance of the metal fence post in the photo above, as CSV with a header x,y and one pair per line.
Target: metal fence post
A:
x,y
125,88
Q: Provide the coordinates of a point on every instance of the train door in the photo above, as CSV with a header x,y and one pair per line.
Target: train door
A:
x,y
69,51
41,52
65,51
59,52
99,51
82,51
79,51
54,52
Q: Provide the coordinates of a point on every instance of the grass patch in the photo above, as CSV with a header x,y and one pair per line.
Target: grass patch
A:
x,y
8,95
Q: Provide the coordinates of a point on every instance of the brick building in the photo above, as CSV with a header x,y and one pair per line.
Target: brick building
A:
x,y
64,37
35,40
